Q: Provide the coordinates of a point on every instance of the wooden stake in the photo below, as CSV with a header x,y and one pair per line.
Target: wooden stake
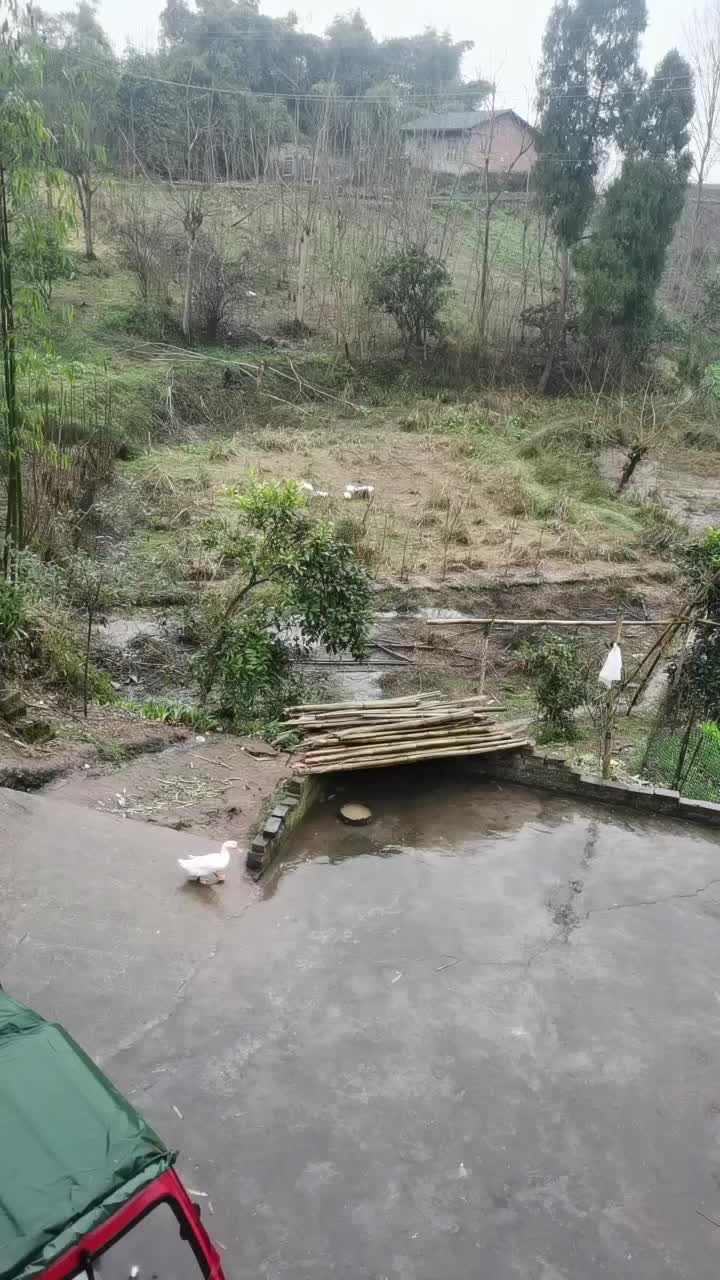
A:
x,y
484,659
610,708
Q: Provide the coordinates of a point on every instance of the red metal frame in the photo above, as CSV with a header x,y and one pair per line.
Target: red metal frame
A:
x,y
167,1187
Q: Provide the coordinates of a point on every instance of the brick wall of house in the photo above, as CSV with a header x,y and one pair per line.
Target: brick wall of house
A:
x,y
456,154
509,140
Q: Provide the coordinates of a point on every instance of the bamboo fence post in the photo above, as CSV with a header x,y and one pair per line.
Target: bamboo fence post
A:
x,y
610,709
484,658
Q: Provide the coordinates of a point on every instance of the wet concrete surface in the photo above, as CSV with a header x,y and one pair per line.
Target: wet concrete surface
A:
x,y
479,1037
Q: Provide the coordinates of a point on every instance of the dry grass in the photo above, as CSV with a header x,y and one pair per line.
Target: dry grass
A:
x,y
437,507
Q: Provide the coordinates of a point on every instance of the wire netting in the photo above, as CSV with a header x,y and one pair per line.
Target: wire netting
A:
x,y
686,759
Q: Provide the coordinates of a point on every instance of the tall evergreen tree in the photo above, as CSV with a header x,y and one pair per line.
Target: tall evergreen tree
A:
x,y
589,78
621,266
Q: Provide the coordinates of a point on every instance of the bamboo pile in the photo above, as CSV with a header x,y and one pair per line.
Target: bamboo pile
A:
x,y
339,736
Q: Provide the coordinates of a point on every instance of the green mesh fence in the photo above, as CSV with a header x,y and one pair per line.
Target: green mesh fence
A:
x,y
688,763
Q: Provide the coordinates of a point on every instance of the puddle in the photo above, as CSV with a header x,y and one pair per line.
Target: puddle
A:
x,y
120,632
352,683
146,658
349,681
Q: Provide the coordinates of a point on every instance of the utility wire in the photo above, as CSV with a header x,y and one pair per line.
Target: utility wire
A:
x,y
448,94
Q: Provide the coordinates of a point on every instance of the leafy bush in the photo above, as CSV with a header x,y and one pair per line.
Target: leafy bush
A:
x,y
412,287
296,583
167,712
13,619
41,255
57,654
560,672
147,319
249,671
698,687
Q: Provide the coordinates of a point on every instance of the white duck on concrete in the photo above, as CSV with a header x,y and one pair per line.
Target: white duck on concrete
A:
x,y
209,868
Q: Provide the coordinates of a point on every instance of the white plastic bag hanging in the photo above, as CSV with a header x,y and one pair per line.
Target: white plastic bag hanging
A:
x,y
611,670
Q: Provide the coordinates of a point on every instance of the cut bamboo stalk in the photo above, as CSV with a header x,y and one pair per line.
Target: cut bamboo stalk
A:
x,y
396,731
408,700
375,644
385,748
345,722
512,744
407,713
372,735
411,722
417,735
547,622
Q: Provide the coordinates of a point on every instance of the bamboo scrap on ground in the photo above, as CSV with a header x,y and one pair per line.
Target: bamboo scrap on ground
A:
x,y
374,735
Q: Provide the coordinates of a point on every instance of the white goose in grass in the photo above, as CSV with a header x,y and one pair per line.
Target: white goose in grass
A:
x,y
208,867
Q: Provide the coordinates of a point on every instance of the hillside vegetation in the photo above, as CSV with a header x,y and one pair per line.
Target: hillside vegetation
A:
x,y
203,351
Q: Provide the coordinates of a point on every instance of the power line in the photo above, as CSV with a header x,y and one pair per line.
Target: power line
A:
x,y
449,94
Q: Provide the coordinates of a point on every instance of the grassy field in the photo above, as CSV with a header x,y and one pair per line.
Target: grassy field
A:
x,y
493,481
453,491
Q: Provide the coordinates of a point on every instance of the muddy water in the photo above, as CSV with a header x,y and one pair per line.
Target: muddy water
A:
x,y
120,632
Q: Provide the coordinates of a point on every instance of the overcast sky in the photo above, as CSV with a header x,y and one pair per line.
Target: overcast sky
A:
x,y
507,35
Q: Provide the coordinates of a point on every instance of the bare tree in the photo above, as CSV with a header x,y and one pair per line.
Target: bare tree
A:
x,y
491,198
142,234
703,42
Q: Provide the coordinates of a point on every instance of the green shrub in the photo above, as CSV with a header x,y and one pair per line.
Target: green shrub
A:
x,y
13,620
40,253
412,287
167,712
154,321
249,672
560,672
13,611
58,654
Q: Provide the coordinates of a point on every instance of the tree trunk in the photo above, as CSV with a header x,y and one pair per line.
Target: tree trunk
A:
x,y
633,460
611,700
486,252
14,530
560,322
187,295
86,671
85,196
302,268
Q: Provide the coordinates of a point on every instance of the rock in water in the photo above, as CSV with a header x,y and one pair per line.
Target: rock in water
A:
x,y
356,815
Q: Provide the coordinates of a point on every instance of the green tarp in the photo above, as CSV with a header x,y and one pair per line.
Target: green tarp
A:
x,y
72,1150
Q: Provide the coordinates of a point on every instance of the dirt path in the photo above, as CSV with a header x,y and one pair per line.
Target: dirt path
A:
x,y
215,786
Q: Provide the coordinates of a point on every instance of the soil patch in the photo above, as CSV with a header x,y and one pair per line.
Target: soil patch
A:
x,y
106,736
215,784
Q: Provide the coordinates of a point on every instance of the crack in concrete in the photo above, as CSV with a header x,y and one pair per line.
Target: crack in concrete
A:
x,y
653,902
180,993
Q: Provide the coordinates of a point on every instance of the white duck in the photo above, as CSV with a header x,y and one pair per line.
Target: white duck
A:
x,y
208,867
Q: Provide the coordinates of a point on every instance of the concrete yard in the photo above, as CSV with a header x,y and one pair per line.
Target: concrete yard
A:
x,y
477,1038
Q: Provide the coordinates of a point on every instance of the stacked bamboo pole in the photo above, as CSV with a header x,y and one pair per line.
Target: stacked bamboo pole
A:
x,y
340,736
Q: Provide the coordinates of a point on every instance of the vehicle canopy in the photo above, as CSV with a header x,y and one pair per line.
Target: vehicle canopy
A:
x,y
72,1149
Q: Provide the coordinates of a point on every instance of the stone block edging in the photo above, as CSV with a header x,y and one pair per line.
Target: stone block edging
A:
x,y
532,767
289,803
